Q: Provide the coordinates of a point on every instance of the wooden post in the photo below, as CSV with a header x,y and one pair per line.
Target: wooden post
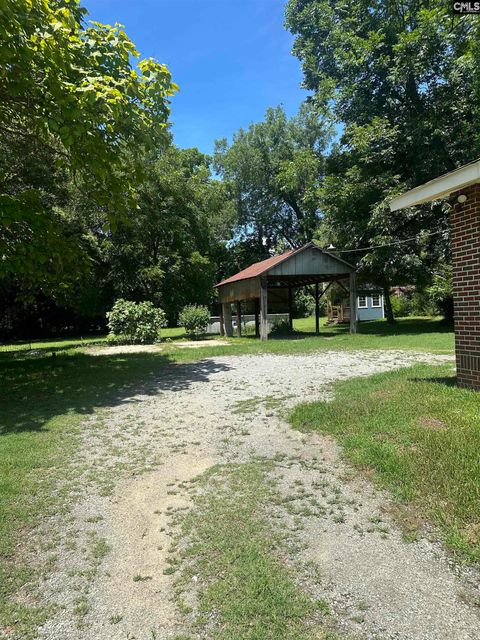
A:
x,y
353,302
317,310
222,327
257,318
290,308
227,319
263,309
239,319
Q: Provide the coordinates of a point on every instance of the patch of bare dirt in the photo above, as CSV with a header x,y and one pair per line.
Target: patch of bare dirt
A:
x,y
154,348
432,423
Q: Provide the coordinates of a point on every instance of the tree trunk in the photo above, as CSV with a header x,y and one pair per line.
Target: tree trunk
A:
x,y
388,305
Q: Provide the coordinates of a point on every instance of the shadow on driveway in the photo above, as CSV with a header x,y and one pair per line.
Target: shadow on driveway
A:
x,y
35,390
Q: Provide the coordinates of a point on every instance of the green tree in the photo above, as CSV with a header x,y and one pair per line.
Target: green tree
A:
x,y
69,90
402,81
168,248
273,171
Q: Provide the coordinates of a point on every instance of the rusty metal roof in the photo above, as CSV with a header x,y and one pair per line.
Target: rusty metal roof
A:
x,y
259,268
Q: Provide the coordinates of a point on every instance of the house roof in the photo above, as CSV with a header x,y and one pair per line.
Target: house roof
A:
x,y
262,267
258,268
439,188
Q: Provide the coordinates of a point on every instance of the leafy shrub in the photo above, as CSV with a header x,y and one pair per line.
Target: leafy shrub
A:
x,y
303,304
135,322
415,303
195,319
440,293
400,305
281,328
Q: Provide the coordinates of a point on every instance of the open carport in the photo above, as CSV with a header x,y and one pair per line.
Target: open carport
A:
x,y
273,281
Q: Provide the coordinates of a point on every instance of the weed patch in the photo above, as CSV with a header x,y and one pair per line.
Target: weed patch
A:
x,y
229,550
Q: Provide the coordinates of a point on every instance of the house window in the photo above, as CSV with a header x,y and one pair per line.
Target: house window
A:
x,y
376,300
362,302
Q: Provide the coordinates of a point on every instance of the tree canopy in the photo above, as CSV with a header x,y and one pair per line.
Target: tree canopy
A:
x,y
96,202
168,249
402,82
72,107
274,170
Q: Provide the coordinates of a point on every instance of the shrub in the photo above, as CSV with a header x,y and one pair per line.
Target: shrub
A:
x,y
135,322
415,303
195,319
281,328
440,293
303,304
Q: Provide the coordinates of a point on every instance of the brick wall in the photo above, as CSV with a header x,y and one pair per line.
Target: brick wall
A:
x,y
465,221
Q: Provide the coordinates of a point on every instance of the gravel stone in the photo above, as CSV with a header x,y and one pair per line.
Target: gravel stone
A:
x,y
132,470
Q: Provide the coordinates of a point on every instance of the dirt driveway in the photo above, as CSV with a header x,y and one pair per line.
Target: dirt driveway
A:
x,y
133,470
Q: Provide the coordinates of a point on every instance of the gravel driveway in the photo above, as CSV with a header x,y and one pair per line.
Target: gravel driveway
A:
x,y
135,458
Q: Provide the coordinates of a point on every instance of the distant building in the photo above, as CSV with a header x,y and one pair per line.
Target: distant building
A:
x,y
370,306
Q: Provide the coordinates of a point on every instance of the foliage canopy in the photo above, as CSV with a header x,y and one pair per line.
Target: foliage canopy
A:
x,y
69,91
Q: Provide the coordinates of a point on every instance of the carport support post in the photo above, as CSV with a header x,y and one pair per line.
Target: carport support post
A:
x,y
227,319
290,308
239,319
353,302
317,310
263,309
222,327
257,318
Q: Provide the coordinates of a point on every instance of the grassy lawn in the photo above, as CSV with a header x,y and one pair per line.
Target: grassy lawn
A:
x,y
229,541
69,343
420,435
420,334
43,400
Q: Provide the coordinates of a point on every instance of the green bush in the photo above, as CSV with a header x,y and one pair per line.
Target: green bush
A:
x,y
440,293
414,303
135,322
195,319
281,328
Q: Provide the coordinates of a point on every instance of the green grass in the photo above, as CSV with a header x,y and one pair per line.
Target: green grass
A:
x,y
43,400
420,434
68,343
421,334
231,546
416,333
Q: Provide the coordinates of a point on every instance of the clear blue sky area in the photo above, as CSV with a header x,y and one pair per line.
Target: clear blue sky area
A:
x,y
231,59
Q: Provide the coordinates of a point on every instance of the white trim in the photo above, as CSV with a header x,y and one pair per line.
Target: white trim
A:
x,y
379,305
439,188
362,306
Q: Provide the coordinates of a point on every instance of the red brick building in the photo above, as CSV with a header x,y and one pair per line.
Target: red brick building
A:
x,y
462,188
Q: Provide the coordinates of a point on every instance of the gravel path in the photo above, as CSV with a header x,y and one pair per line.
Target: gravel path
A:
x,y
109,582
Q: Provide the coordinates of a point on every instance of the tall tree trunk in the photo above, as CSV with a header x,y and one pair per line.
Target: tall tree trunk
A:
x,y
388,305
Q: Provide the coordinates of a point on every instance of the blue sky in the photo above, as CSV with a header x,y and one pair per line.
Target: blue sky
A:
x,y
231,59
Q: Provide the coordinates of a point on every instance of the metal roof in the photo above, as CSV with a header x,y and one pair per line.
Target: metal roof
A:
x,y
258,268
262,267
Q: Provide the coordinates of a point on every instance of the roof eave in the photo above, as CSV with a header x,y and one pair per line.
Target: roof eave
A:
x,y
287,257
265,271
439,188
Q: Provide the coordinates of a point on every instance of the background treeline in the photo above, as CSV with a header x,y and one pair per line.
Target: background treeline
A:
x,y
96,203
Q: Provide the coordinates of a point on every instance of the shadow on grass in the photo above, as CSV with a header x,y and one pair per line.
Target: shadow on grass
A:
x,y
448,381
296,335
35,390
403,327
